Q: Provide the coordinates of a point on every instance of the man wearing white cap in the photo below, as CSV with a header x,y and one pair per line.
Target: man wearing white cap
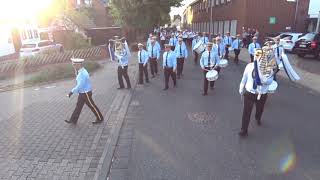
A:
x,y
84,89
227,42
254,45
169,66
143,58
154,55
236,45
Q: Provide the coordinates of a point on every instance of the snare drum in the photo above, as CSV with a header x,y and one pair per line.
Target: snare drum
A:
x,y
273,87
199,47
230,49
212,75
223,63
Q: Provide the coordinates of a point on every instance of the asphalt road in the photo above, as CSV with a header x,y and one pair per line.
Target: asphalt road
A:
x,y
181,135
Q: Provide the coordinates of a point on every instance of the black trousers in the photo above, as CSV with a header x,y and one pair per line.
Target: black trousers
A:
x,y
226,56
123,72
162,43
251,58
153,66
167,73
196,55
180,62
237,53
85,98
249,100
143,70
206,82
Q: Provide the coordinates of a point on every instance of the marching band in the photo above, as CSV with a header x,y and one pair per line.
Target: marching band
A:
x,y
259,77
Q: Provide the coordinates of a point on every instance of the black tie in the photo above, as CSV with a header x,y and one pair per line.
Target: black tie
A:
x,y
238,44
209,59
218,50
174,43
255,46
204,39
167,59
278,51
140,57
152,51
228,40
180,51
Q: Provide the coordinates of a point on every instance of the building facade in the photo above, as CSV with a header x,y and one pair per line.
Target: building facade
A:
x,y
268,16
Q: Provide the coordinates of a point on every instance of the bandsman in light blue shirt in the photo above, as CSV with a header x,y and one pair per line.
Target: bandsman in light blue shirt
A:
x,y
195,41
173,42
169,66
154,55
209,60
227,40
254,45
219,48
143,58
236,46
84,91
182,54
204,38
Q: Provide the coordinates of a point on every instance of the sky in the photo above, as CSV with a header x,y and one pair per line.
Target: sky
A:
x,y
313,10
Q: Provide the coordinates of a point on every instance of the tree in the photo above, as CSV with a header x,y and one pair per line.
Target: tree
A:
x,y
142,13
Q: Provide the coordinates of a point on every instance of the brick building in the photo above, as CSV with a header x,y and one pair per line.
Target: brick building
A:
x,y
268,16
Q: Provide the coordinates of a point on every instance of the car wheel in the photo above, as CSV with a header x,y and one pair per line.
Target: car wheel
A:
x,y
301,55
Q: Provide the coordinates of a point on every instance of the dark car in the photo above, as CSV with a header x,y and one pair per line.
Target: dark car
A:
x,y
308,44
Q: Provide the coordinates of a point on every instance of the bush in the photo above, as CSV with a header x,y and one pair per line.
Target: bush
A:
x,y
75,41
59,72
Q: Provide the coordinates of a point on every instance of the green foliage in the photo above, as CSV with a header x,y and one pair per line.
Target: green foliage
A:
x,y
75,41
59,72
142,13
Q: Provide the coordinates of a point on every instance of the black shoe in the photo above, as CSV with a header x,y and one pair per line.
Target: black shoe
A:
x,y
243,133
69,121
129,87
204,94
258,122
153,76
147,81
165,89
120,88
97,121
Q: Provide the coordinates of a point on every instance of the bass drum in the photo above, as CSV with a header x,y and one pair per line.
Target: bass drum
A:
x,y
273,87
199,47
212,75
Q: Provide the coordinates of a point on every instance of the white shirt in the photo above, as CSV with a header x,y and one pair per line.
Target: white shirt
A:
x,y
247,81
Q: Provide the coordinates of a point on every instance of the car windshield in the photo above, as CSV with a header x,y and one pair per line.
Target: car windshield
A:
x,y
29,46
308,37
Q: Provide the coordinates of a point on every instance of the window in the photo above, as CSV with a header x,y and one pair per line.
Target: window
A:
x,y
215,27
222,1
30,35
220,31
217,2
226,27
35,32
233,28
23,34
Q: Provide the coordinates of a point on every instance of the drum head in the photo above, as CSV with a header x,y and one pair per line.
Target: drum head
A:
x,y
212,75
273,87
223,63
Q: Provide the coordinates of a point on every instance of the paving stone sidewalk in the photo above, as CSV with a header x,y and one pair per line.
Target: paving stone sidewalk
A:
x,y
36,143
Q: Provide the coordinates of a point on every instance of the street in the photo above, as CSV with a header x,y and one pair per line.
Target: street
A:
x,y
180,134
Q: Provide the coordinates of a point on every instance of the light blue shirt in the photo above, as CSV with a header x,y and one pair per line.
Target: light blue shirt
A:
x,y
169,60
194,42
154,51
253,46
227,40
181,50
148,41
204,39
214,59
124,60
247,81
236,44
83,82
219,49
143,57
173,41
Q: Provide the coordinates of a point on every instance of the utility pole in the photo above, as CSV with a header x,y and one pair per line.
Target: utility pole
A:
x,y
318,23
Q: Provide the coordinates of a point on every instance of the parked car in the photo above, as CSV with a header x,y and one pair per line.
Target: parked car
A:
x,y
33,48
288,40
308,44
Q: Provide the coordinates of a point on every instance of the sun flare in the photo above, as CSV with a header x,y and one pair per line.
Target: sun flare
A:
x,y
22,9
